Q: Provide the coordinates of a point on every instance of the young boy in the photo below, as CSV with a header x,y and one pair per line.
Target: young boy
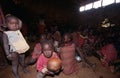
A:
x,y
47,53
15,45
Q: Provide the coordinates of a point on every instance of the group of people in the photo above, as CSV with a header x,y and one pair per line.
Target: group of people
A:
x,y
64,47
49,46
52,44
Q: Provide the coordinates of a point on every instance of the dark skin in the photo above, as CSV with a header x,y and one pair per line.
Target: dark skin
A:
x,y
47,51
47,48
14,57
4,61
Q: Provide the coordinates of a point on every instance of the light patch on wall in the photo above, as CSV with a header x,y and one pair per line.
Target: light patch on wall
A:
x,y
107,2
117,1
88,6
97,4
82,8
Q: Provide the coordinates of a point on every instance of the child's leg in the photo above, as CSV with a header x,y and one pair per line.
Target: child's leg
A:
x,y
32,61
15,65
22,62
40,75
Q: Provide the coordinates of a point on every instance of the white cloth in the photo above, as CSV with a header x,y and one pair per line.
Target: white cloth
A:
x,y
17,42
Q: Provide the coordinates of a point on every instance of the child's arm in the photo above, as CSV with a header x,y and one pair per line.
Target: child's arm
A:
x,y
6,44
37,49
6,47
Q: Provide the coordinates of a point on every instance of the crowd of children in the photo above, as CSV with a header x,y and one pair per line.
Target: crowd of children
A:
x,y
53,44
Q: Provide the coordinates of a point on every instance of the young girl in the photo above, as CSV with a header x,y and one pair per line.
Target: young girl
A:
x,y
15,46
67,54
47,53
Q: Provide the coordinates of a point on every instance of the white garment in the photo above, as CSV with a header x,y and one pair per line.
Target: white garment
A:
x,y
17,42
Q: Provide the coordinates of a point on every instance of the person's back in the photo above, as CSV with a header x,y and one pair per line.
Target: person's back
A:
x,y
68,59
67,54
109,52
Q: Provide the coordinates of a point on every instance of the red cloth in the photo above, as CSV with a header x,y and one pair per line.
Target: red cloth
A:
x,y
37,51
42,61
81,41
75,37
68,59
109,52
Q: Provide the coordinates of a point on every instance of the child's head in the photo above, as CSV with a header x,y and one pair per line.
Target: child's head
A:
x,y
86,41
47,48
12,22
67,38
49,36
84,32
43,37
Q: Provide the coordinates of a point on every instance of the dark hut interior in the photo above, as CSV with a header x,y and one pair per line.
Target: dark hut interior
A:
x,y
64,14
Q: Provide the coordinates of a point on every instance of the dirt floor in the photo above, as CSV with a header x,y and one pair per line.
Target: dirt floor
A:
x,y
84,72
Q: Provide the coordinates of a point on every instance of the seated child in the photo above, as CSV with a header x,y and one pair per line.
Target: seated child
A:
x,y
67,55
109,54
47,53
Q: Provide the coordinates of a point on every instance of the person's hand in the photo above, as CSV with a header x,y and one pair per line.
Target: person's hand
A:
x,y
12,56
9,56
50,72
44,70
